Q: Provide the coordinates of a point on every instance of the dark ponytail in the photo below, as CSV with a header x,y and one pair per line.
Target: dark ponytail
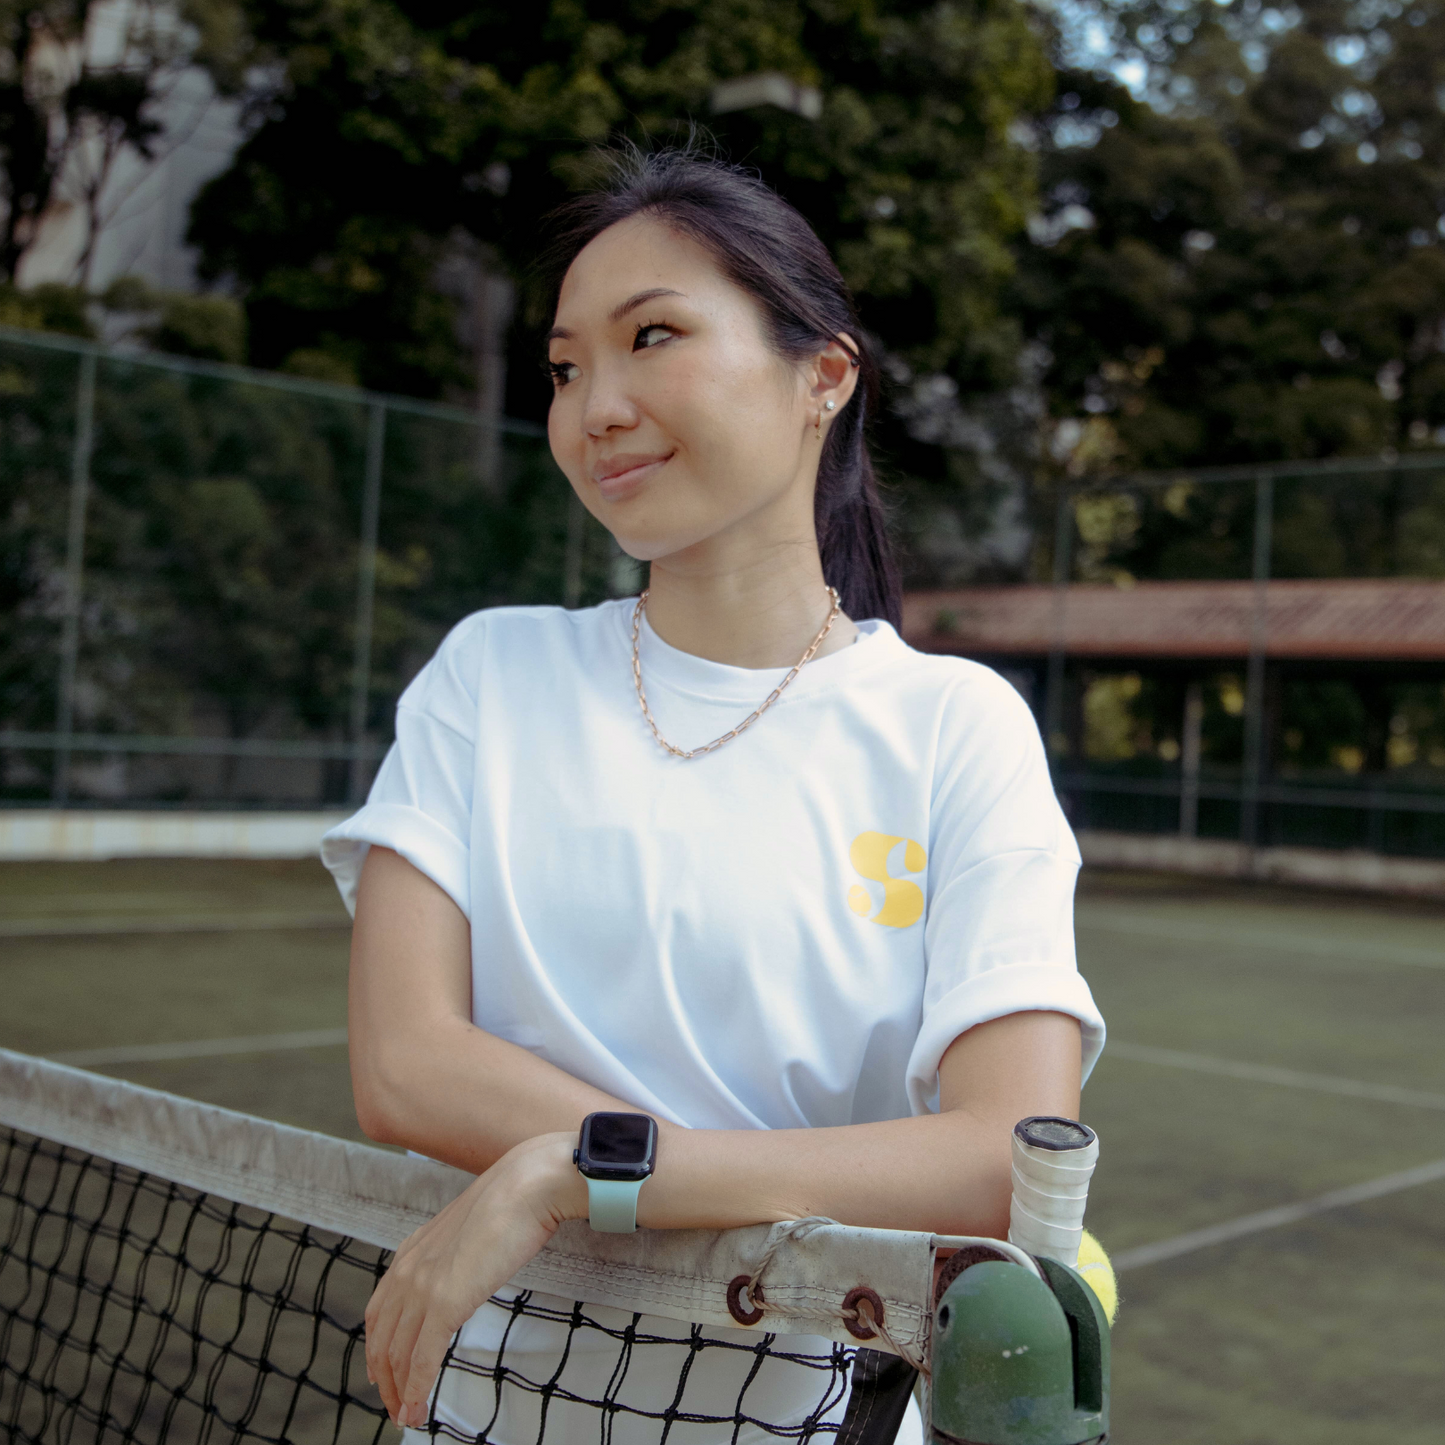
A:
x,y
764,246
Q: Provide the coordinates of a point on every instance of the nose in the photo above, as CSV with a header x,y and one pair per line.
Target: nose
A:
x,y
607,406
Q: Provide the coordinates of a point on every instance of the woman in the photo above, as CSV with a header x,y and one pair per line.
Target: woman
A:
x,y
814,919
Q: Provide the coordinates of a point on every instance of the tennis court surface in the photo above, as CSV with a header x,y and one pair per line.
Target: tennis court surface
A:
x,y
1268,1049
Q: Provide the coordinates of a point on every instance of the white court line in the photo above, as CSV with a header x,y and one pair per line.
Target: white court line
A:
x,y
1268,1074
201,1048
82,927
1147,1254
1257,940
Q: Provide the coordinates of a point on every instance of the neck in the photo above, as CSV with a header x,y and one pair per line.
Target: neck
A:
x,y
761,614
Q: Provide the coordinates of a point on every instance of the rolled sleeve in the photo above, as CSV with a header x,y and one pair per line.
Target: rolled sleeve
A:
x,y
993,994
421,802
999,937
419,838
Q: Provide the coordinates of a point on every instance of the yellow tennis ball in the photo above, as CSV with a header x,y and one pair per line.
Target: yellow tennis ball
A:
x,y
1098,1274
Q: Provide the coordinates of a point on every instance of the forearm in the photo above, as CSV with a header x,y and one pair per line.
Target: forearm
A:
x,y
461,1095
947,1173
943,1173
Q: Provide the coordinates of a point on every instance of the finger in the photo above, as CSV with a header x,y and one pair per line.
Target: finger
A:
x,y
378,1367
429,1352
409,1323
381,1317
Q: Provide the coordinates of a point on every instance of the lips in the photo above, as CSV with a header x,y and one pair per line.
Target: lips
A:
x,y
621,475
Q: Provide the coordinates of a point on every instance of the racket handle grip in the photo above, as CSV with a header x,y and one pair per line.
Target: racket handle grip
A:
x,y
1053,1161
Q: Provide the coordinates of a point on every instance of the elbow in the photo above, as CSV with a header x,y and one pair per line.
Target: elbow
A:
x,y
987,1215
376,1121
996,1194
379,1094
984,1185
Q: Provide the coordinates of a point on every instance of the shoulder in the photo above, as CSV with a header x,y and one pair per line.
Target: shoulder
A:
x,y
506,632
504,626
992,792
981,731
960,693
497,643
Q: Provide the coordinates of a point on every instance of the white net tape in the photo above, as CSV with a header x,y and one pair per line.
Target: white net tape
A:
x,y
379,1197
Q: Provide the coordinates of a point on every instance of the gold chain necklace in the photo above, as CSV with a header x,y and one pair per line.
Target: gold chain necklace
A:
x,y
753,716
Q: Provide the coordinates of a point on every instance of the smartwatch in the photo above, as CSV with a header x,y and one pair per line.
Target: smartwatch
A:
x,y
615,1155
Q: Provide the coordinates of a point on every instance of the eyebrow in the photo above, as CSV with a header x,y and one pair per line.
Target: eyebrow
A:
x,y
560,333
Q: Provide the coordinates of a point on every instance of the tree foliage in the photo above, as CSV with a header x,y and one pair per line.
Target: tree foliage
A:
x,y
221,549
384,131
1244,262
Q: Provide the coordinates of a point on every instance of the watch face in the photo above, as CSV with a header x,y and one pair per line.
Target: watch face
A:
x,y
619,1146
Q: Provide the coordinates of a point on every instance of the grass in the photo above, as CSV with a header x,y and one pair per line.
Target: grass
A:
x,y
1326,1331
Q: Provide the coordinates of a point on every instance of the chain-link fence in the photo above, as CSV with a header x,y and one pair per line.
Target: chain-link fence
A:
x,y
1325,724
216,581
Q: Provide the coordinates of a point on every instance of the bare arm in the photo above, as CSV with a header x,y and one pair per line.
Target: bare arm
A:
x,y
947,1173
423,1075
426,1077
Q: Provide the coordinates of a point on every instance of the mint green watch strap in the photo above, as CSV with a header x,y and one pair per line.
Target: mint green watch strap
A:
x,y
612,1204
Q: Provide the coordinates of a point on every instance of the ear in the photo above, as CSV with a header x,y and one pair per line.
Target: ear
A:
x,y
833,376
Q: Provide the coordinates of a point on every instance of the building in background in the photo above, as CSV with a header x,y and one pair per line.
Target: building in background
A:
x,y
1149,729
115,211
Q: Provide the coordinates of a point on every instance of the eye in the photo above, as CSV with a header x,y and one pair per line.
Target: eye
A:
x,y
561,372
651,333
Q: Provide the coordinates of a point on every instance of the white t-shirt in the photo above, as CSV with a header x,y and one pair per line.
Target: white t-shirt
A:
x,y
788,932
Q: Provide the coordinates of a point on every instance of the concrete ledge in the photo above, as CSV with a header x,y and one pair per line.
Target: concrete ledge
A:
x,y
60,833
1311,867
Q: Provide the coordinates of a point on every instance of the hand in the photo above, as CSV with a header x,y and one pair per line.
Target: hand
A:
x,y
455,1262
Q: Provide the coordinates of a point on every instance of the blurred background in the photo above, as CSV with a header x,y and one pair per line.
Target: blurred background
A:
x,y
1160,286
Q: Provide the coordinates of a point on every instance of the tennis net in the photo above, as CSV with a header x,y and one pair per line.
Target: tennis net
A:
x,y
171,1271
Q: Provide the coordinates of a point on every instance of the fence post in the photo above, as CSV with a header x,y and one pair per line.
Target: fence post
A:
x,y
81,448
1254,739
366,595
1063,556
1190,755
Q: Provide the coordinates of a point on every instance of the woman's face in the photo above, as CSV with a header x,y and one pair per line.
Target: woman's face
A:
x,y
674,420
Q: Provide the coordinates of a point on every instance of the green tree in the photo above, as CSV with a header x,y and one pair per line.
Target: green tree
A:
x,y
385,134
1246,263
212,328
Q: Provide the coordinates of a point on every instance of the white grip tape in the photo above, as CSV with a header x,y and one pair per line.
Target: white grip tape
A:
x,y
1050,1191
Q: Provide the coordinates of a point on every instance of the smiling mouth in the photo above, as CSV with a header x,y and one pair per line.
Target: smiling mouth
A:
x,y
622,484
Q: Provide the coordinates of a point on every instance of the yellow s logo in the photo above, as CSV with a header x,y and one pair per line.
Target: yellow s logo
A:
x,y
902,900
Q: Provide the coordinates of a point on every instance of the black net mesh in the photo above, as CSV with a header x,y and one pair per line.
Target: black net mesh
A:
x,y
136,1309
631,1384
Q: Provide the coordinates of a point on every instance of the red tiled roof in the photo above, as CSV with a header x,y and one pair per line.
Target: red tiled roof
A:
x,y
1362,620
